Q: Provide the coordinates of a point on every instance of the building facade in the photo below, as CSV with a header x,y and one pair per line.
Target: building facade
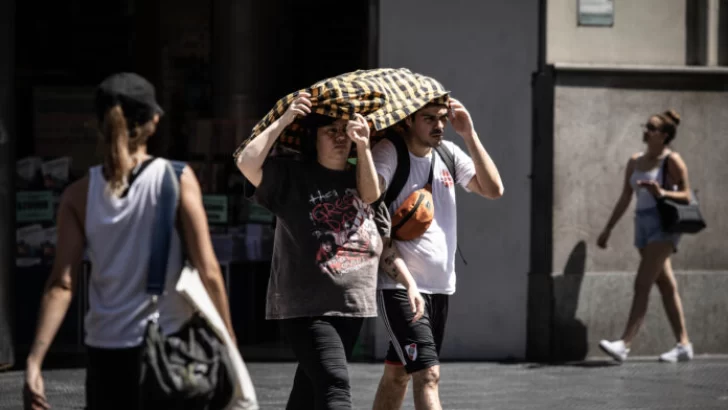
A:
x,y
601,82
557,90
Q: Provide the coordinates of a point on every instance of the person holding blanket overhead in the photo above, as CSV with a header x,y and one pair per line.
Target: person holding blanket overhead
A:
x,y
331,219
326,248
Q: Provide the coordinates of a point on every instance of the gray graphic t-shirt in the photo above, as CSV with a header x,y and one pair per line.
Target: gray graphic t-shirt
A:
x,y
327,245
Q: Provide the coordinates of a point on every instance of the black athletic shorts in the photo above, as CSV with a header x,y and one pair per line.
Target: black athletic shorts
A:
x,y
416,345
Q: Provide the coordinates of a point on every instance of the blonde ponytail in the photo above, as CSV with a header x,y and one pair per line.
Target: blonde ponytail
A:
x,y
117,159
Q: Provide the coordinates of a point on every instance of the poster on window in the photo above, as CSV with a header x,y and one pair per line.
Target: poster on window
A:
x,y
64,125
34,206
216,208
596,13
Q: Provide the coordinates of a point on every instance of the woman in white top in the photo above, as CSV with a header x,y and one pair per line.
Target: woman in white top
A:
x,y
110,213
644,176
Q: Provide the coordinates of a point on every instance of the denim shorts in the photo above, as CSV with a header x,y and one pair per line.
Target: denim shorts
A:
x,y
648,228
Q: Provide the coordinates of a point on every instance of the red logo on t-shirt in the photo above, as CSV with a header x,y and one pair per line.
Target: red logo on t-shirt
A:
x,y
447,179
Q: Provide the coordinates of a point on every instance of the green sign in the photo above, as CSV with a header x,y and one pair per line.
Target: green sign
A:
x,y
34,206
216,207
257,213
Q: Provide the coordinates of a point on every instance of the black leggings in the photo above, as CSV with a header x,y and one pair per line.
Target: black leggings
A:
x,y
323,346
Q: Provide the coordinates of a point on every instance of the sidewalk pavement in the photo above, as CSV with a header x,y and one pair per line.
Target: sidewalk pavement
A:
x,y
636,384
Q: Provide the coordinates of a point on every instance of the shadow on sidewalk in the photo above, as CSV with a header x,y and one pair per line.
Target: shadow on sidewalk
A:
x,y
587,364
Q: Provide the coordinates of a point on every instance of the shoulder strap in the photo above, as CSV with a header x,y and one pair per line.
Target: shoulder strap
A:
x,y
135,173
401,173
448,158
403,164
664,170
164,221
178,167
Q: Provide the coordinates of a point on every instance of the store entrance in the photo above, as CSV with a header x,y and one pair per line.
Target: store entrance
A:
x,y
218,68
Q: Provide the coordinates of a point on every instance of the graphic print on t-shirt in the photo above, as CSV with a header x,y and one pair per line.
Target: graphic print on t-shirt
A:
x,y
447,179
344,229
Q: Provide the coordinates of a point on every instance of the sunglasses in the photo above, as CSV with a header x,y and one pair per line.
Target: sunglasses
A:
x,y
650,127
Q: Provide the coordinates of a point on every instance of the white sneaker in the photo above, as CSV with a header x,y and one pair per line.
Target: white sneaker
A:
x,y
617,350
681,353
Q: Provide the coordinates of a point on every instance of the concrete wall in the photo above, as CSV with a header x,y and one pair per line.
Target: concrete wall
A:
x,y
596,128
644,32
485,53
7,170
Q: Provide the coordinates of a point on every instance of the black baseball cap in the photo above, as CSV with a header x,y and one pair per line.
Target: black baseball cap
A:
x,y
136,95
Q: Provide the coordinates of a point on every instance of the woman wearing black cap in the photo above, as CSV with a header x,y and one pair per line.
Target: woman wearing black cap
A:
x,y
110,212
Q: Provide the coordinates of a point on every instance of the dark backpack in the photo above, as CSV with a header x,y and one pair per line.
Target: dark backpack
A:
x,y
403,166
403,169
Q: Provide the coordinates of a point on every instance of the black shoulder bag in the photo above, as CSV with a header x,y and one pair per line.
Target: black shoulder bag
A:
x,y
678,216
189,369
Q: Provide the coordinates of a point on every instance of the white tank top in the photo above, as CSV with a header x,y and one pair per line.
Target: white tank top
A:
x,y
118,232
645,200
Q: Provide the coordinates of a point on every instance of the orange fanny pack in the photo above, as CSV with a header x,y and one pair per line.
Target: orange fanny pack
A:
x,y
412,219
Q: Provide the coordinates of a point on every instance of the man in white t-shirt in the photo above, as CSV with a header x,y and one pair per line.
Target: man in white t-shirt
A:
x,y
414,346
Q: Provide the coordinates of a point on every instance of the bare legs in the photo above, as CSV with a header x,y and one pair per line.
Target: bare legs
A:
x,y
671,301
393,387
655,268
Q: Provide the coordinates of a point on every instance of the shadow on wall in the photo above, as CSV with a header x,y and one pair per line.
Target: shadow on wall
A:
x,y
569,335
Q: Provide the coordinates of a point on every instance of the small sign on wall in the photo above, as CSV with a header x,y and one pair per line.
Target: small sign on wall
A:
x,y
596,13
216,207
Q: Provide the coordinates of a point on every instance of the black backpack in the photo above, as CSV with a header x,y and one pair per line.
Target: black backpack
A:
x,y
403,166
403,169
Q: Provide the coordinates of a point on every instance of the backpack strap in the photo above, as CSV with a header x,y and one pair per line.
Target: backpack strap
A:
x,y
178,167
403,164
164,224
663,183
448,158
401,173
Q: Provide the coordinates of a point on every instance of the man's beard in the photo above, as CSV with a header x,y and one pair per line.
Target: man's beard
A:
x,y
434,140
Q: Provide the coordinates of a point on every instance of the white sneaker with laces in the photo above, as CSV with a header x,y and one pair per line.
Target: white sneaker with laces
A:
x,y
680,353
617,349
